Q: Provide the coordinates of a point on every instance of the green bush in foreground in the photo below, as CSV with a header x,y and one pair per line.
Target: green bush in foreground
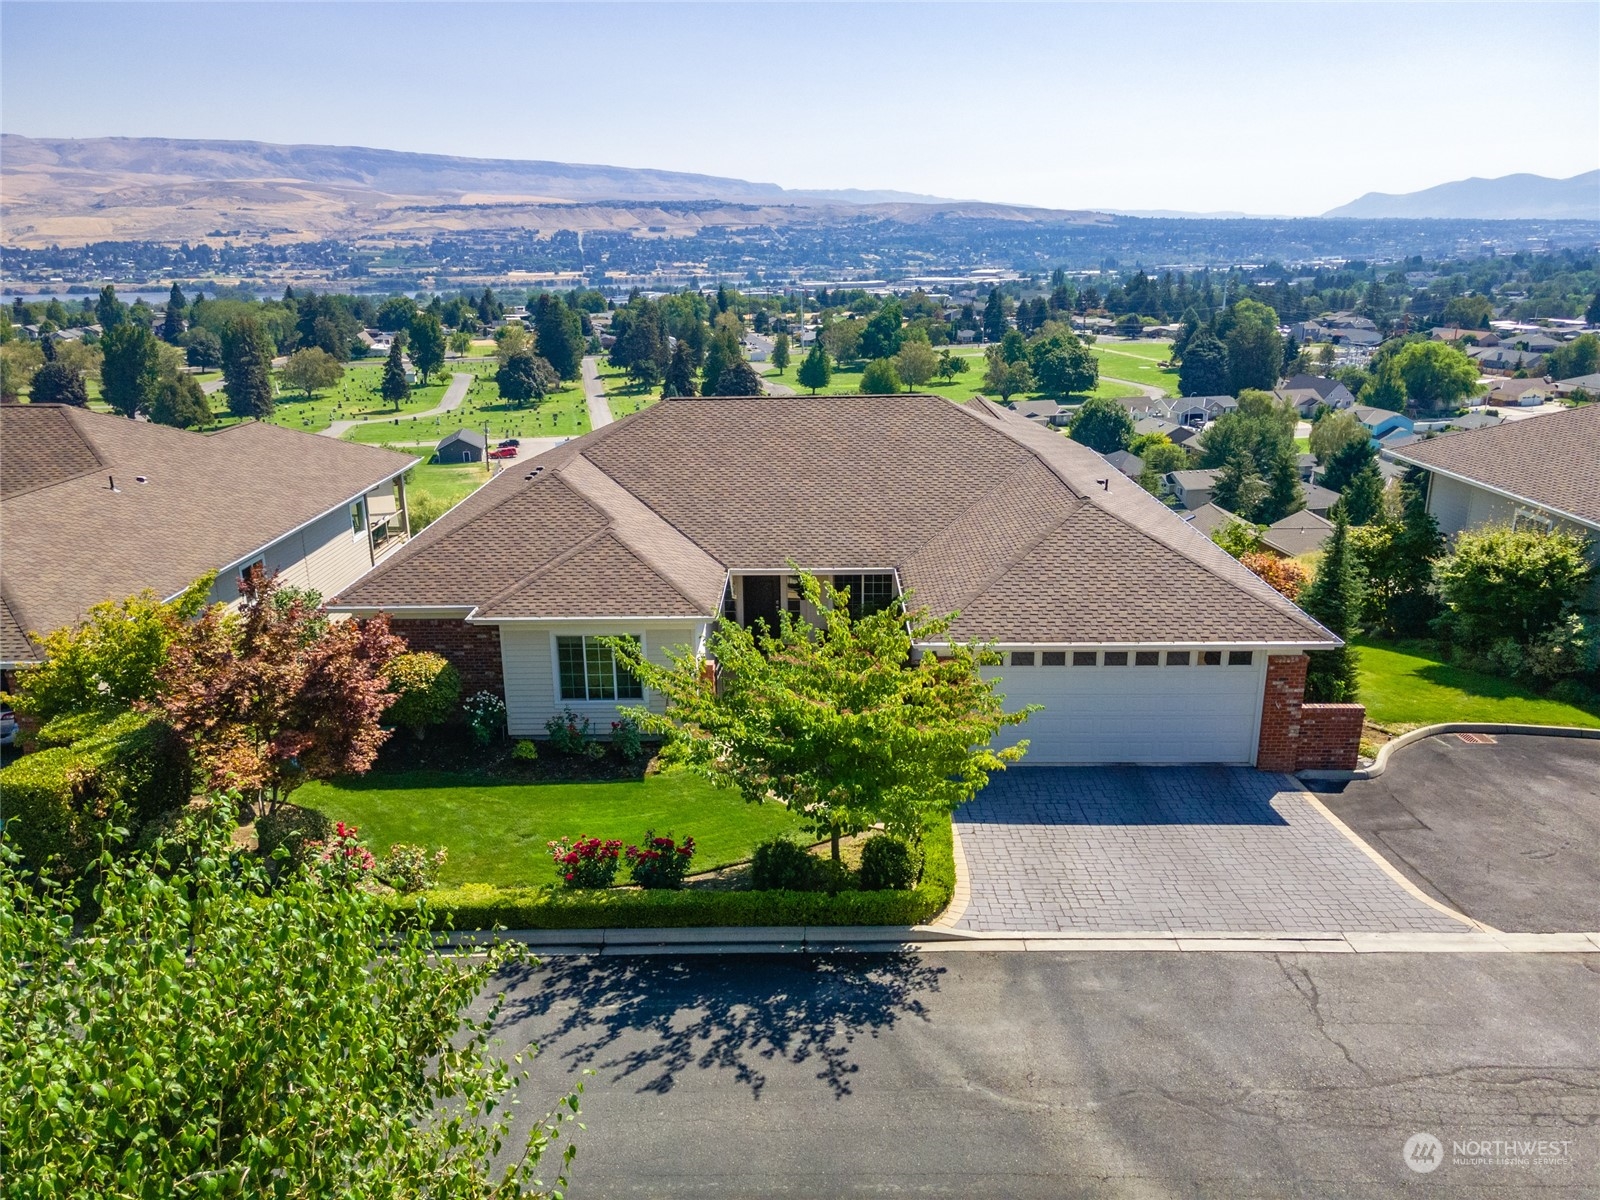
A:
x,y
481,906
208,1036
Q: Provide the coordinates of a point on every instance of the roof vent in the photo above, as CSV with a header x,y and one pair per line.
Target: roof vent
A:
x,y
1105,484
533,474
111,482
141,479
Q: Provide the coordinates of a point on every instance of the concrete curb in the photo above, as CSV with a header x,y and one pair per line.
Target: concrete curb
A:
x,y
1381,764
924,939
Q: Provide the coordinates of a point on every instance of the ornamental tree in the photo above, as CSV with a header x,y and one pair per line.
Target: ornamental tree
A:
x,y
426,688
277,694
210,1033
838,720
311,370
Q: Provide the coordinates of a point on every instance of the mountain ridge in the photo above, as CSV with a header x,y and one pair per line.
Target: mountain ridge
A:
x,y
1507,197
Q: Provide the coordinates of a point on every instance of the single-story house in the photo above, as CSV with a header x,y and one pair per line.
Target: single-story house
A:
x,y
1307,466
1142,640
1177,434
1192,488
1128,463
1522,393
1209,518
1506,357
1380,422
98,507
462,446
1565,388
1319,499
1190,411
1542,472
1307,392
1298,533
1046,412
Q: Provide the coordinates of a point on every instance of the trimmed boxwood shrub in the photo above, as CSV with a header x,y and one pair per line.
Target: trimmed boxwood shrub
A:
x,y
56,801
784,865
426,688
887,864
481,906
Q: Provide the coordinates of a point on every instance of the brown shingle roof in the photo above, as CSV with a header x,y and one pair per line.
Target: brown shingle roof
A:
x,y
1552,460
69,541
977,508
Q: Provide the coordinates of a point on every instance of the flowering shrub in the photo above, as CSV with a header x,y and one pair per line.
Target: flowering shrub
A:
x,y
409,868
587,862
660,862
625,737
486,714
342,859
526,751
1283,574
569,733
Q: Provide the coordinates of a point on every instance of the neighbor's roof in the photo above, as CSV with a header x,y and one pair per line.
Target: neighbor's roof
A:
x,y
208,500
978,509
1298,533
472,437
1551,460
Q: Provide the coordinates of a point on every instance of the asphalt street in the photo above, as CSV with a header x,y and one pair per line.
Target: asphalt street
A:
x,y
1507,832
1059,1075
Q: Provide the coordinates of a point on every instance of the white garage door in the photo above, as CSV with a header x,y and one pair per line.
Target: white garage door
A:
x,y
1134,714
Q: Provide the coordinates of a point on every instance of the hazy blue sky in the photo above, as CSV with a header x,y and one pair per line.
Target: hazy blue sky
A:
x,y
1286,108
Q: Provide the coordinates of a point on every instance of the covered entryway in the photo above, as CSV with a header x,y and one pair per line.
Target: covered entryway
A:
x,y
1136,706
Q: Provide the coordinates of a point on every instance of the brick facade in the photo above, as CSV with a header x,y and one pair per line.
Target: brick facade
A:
x,y
1330,737
1296,736
474,650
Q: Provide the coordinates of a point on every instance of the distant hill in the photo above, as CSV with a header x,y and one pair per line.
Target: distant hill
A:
x,y
1509,198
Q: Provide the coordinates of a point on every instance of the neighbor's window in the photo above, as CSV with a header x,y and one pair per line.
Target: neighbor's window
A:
x,y
589,671
1116,658
1241,658
868,593
1530,518
358,518
1022,658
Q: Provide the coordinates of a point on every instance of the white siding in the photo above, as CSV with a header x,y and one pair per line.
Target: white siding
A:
x,y
325,556
1131,714
527,656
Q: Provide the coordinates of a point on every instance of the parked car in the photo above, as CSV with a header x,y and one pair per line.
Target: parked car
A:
x,y
511,442
8,727
503,452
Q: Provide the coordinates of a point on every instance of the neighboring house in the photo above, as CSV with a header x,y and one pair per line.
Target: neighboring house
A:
x,y
1129,464
1192,489
1179,435
1506,358
1209,518
1298,533
1307,466
1046,412
1542,472
1381,422
1454,333
1564,389
98,507
1306,392
1319,499
462,446
1523,393
1191,411
1142,641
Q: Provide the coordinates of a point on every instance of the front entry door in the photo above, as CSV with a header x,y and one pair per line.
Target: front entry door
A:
x,y
761,597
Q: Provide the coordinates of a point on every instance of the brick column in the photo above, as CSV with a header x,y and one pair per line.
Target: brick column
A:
x,y
1330,737
474,650
1280,713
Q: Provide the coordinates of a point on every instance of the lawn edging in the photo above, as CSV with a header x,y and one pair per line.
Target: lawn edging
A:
x,y
1381,763
475,907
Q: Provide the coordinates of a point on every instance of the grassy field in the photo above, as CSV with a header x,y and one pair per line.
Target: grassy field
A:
x,y
623,396
354,398
451,482
1407,684
497,832
1136,363
563,414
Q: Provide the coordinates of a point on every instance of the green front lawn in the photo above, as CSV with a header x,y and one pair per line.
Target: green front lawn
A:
x,y
497,831
1136,362
1409,684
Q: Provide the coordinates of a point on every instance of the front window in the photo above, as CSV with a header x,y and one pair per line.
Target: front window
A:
x,y
358,518
868,593
588,671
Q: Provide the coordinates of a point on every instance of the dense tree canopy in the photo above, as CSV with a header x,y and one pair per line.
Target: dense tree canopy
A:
x,y
1102,424
1255,347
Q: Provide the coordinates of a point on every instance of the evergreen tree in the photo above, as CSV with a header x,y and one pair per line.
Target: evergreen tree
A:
x,y
1255,347
1334,598
994,317
558,335
57,383
1417,544
1345,463
815,370
1239,488
131,367
1191,326
1592,313
1284,493
780,352
882,336
246,370
739,378
109,312
172,322
181,402
1362,498
1204,370
395,388
679,380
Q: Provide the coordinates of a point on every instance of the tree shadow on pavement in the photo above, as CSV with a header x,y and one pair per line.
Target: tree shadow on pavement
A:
x,y
650,1019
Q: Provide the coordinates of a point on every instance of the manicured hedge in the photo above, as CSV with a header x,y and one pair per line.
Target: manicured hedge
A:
x,y
481,906
55,801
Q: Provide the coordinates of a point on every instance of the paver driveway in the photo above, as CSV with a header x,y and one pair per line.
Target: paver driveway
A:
x,y
1185,849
